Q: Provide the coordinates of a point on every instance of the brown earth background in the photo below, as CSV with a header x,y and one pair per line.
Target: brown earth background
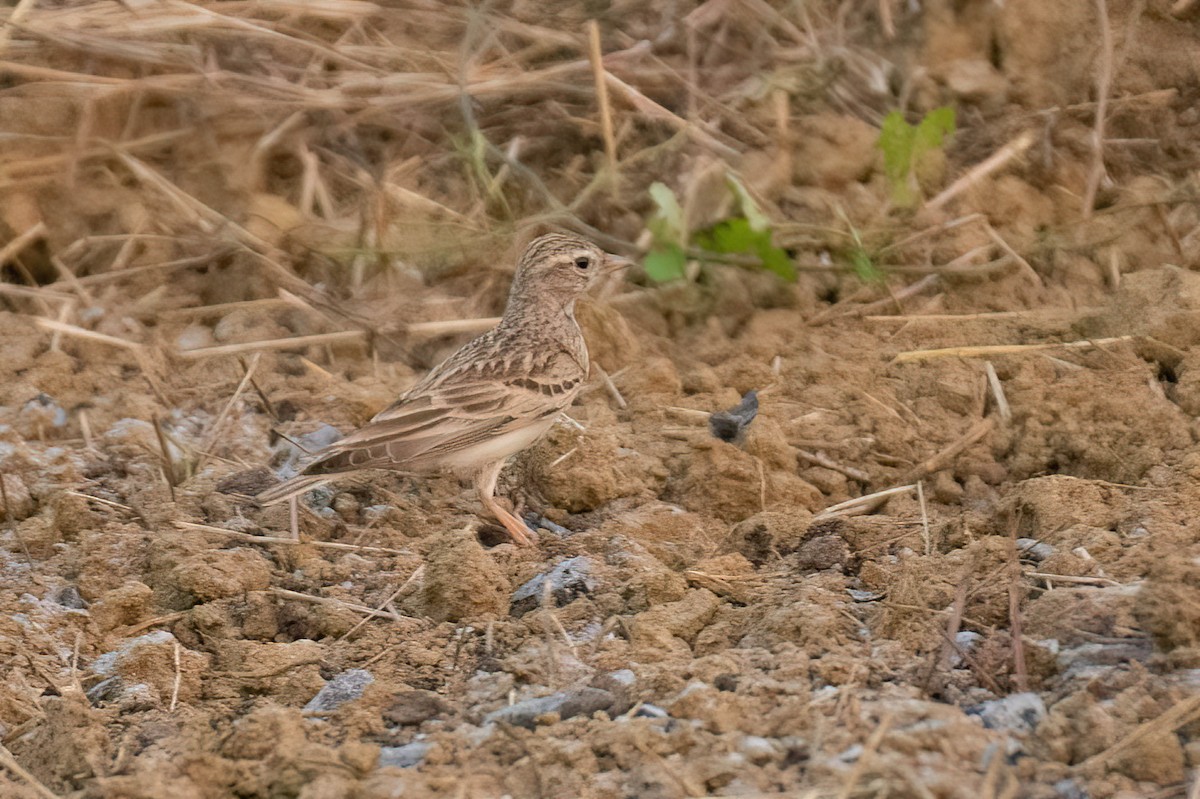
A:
x,y
185,188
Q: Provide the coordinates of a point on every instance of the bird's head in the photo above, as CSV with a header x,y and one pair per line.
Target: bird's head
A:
x,y
563,267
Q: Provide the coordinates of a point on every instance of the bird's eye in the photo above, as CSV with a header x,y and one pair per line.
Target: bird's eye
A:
x,y
583,262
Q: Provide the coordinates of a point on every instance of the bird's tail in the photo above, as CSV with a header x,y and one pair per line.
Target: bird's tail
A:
x,y
290,488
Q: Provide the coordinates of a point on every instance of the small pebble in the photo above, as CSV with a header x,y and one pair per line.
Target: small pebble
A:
x,y
758,749
1019,713
566,704
965,641
106,664
1069,789
567,581
193,337
293,453
1034,549
648,711
345,687
405,756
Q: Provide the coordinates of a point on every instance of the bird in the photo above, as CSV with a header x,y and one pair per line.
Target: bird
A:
x,y
493,397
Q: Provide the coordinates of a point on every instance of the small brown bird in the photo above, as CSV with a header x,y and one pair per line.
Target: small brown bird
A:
x,y
493,397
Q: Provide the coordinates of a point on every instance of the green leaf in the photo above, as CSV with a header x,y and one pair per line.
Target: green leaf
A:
x,y
758,220
737,235
663,264
667,225
776,260
904,145
732,235
932,131
896,138
864,267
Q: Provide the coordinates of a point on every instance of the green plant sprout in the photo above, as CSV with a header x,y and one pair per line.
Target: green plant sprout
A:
x,y
748,234
859,255
905,146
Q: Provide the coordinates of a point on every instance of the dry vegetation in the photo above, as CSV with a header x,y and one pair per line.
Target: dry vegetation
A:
x,y
956,555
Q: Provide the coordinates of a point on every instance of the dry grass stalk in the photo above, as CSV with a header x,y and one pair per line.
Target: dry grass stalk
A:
x,y
273,344
864,760
34,171
852,507
943,459
986,316
168,463
892,300
1104,76
997,387
993,163
984,351
64,313
267,540
8,761
953,623
823,460
338,603
211,441
262,395
652,109
11,520
692,414
563,457
606,121
1015,619
926,535
611,388
886,21
1016,256
31,235
1072,579
220,309
417,574
15,18
178,680
38,295
99,500
1184,712
730,585
933,230
134,629
453,326
89,335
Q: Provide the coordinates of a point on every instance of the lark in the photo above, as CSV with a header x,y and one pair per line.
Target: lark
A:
x,y
493,397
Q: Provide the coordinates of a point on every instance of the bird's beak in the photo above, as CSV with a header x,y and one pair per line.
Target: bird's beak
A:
x,y
615,263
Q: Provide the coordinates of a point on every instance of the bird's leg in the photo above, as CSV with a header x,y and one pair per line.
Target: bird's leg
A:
x,y
485,487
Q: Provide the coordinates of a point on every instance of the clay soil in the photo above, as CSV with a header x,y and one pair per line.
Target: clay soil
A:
x,y
190,188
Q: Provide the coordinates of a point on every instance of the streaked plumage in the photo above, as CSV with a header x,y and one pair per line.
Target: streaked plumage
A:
x,y
493,397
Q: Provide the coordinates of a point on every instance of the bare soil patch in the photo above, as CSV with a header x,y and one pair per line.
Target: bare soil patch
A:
x,y
225,226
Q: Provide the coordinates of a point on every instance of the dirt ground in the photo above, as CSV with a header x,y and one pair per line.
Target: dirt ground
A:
x,y
182,182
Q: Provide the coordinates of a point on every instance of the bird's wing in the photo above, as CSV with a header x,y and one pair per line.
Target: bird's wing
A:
x,y
459,405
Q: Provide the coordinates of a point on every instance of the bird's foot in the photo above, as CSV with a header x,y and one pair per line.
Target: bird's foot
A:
x,y
517,529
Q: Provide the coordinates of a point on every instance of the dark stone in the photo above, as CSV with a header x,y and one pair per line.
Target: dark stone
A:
x,y
345,687
731,425
567,581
